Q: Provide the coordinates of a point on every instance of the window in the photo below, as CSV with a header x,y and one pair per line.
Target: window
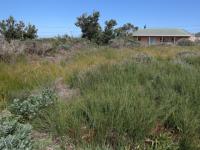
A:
x,y
139,38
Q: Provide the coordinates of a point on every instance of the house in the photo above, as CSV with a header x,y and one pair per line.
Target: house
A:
x,y
160,36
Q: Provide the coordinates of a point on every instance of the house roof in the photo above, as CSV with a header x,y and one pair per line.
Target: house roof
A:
x,y
161,32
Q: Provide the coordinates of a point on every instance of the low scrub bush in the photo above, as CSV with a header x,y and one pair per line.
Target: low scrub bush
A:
x,y
9,50
14,48
29,107
69,43
185,42
14,135
64,47
38,47
123,43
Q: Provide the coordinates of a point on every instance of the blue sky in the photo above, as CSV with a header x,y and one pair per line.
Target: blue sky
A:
x,y
53,17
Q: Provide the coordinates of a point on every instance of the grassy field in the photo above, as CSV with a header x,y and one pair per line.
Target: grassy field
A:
x,y
141,98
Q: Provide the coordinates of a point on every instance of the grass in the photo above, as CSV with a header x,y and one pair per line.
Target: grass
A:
x,y
121,104
122,99
16,78
24,76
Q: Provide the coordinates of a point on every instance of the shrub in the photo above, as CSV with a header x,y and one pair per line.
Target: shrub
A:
x,y
185,42
123,43
16,47
9,50
14,135
64,47
29,107
37,47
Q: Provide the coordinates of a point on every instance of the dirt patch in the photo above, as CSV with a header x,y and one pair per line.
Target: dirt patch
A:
x,y
43,141
64,91
39,135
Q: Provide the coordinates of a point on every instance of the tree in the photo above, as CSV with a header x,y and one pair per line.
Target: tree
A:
x,y
30,32
109,33
125,30
20,30
11,29
92,30
7,28
89,26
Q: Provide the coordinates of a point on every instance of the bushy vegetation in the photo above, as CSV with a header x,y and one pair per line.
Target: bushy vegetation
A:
x,y
30,106
9,51
185,42
14,135
123,43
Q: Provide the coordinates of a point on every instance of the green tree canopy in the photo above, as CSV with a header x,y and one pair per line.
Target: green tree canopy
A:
x,y
108,32
11,29
91,29
89,26
125,30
